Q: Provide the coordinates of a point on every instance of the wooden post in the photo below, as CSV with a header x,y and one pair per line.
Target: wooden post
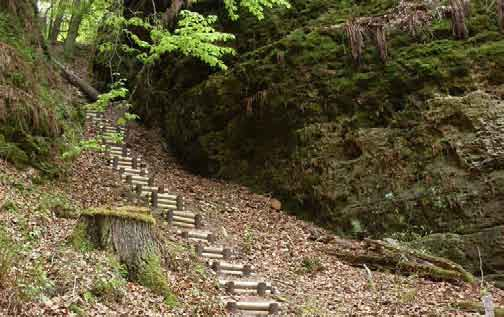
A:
x,y
211,237
216,266
232,307
121,170
154,199
185,234
199,249
198,220
274,308
170,216
161,189
247,270
124,150
230,287
226,253
129,179
150,182
142,171
115,162
261,289
139,190
134,162
180,203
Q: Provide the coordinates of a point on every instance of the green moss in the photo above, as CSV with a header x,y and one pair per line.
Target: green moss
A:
x,y
152,275
78,238
137,214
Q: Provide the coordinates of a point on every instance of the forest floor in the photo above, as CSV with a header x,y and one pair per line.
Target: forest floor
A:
x,y
50,277
57,279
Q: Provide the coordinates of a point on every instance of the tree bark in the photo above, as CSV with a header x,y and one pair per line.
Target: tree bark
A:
x,y
86,88
55,27
384,256
500,14
355,40
73,30
126,231
459,9
172,12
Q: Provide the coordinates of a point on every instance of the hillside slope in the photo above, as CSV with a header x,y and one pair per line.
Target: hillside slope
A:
x,y
407,147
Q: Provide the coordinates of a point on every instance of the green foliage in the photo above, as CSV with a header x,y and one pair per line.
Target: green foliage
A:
x,y
35,283
311,265
57,204
194,37
8,256
79,239
110,288
73,151
117,91
152,275
254,7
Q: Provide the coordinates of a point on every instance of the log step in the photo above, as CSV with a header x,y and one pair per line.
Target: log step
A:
x,y
136,178
226,268
130,171
237,287
213,252
269,307
199,236
184,217
183,225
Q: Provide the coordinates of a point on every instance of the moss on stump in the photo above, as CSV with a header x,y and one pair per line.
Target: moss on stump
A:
x,y
126,231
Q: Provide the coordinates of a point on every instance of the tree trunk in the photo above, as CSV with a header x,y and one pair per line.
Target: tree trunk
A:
x,y
172,12
381,42
459,9
126,231
73,30
86,88
355,40
383,256
55,27
500,14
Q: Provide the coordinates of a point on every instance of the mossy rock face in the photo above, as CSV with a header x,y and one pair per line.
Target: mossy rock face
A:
x,y
372,149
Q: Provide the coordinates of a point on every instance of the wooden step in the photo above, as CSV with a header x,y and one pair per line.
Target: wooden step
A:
x,y
226,268
237,286
183,225
270,307
213,252
185,217
199,236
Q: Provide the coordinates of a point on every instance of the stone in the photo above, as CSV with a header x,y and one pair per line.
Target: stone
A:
x,y
276,204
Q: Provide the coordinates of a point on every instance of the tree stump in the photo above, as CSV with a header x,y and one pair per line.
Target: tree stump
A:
x,y
126,231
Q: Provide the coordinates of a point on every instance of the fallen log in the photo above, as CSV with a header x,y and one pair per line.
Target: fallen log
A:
x,y
91,93
473,307
380,255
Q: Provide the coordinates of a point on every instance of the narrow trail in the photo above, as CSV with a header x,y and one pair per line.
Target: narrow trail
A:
x,y
243,290
265,261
